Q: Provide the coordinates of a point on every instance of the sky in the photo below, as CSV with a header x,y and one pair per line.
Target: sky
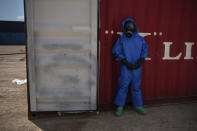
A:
x,y
11,10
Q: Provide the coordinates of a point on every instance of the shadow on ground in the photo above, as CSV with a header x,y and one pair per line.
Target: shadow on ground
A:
x,y
176,117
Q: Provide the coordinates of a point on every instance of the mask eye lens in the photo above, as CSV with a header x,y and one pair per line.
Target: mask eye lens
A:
x,y
130,26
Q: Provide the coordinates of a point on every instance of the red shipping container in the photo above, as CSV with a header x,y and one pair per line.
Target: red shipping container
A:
x,y
170,26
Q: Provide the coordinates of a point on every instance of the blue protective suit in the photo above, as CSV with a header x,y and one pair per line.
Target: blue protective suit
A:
x,y
131,49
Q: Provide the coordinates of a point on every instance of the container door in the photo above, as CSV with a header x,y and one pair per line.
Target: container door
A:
x,y
169,27
62,54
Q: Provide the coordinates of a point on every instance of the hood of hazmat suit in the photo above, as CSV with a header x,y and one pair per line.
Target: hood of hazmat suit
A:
x,y
131,49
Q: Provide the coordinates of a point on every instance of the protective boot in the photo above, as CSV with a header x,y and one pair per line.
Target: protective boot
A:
x,y
140,110
119,110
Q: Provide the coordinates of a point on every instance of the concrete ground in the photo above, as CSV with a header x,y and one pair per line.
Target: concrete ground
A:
x,y
13,108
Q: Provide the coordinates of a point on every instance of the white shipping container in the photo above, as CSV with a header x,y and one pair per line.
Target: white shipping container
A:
x,y
62,54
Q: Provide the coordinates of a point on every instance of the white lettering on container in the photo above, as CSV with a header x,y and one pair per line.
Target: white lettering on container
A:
x,y
167,52
188,50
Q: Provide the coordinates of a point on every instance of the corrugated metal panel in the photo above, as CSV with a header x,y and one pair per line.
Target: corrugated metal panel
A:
x,y
166,21
62,54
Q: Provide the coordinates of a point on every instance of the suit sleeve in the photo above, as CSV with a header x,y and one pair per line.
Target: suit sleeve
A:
x,y
144,51
117,50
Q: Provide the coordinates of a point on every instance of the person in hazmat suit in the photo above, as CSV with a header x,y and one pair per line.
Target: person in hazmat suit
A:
x,y
131,50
